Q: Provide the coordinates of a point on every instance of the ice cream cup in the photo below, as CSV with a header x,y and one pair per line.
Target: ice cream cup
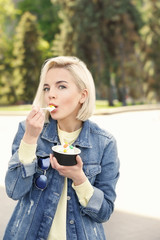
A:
x,y
66,159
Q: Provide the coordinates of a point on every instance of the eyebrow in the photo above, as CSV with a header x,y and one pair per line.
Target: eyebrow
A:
x,y
58,82
45,85
61,81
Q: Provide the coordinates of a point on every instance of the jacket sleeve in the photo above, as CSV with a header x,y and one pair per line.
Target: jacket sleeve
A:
x,y
101,204
19,177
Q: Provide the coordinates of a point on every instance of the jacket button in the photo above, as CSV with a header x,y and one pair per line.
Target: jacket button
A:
x,y
68,198
71,221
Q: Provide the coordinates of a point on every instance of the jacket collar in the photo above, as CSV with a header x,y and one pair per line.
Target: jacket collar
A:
x,y
50,134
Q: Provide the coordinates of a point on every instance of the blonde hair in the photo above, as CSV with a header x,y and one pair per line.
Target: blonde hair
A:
x,y
82,77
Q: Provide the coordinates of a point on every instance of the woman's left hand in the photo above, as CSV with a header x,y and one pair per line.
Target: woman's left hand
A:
x,y
73,172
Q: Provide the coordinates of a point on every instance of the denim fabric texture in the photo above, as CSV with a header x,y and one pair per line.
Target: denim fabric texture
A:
x,y
35,210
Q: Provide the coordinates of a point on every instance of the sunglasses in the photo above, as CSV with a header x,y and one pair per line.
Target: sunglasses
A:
x,y
43,164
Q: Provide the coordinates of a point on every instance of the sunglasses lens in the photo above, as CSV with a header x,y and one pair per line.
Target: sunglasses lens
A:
x,y
41,182
44,163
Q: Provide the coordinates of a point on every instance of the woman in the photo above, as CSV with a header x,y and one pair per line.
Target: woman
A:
x,y
62,202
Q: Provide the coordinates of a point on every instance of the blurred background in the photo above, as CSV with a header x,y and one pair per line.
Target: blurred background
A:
x,y
118,40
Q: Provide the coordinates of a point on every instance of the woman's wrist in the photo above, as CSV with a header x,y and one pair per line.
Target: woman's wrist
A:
x,y
81,179
29,139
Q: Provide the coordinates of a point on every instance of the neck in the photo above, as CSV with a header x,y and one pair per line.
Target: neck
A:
x,y
69,126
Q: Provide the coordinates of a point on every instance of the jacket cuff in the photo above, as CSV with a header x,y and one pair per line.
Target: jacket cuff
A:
x,y
28,169
84,192
96,200
27,152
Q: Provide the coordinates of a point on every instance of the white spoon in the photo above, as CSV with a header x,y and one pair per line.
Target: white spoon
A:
x,y
49,108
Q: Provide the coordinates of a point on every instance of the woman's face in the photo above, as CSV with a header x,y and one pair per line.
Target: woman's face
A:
x,y
61,91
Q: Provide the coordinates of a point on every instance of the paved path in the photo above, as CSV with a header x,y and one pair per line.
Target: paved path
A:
x,y
122,225
137,212
138,137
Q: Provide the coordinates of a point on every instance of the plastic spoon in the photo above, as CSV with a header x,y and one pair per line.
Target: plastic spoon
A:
x,y
49,108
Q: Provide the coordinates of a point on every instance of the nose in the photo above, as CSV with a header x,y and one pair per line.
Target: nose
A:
x,y
52,93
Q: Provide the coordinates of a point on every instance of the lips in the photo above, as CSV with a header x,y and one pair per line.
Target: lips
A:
x,y
52,104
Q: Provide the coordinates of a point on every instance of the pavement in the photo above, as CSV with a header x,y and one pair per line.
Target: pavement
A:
x,y
137,211
126,226
121,226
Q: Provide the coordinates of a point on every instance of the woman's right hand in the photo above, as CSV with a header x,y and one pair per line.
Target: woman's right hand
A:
x,y
34,125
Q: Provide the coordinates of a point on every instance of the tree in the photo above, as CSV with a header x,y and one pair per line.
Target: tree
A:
x,y
103,34
28,58
46,13
151,37
7,16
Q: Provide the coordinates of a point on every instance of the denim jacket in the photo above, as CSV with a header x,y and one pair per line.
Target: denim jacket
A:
x,y
35,210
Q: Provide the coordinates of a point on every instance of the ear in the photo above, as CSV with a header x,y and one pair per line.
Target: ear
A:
x,y
84,95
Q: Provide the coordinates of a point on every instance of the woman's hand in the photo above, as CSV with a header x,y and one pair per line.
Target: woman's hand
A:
x,y
34,125
73,172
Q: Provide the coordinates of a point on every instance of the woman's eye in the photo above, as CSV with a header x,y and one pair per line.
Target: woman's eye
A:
x,y
46,89
61,87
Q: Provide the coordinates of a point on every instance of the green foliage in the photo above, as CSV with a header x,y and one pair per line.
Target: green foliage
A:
x,y
7,11
103,34
152,46
27,58
119,41
46,13
7,15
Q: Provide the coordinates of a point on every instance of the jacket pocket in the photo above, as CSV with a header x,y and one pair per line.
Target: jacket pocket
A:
x,y
91,171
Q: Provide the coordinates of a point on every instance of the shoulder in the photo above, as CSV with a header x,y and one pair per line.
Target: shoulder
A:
x,y
99,140
97,130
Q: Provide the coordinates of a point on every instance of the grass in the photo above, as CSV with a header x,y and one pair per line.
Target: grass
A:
x,y
102,104
16,108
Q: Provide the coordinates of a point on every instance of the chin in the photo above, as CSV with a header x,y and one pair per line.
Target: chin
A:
x,y
53,116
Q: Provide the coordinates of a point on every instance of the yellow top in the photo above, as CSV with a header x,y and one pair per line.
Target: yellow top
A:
x,y
84,191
